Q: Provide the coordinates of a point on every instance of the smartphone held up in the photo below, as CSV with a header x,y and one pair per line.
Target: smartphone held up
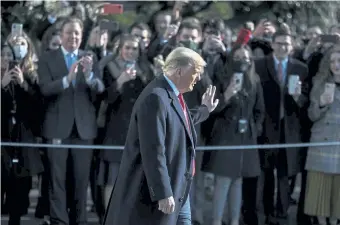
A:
x,y
108,25
330,90
293,85
109,9
17,29
238,81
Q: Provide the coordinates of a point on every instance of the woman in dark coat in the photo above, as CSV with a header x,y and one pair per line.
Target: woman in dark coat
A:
x,y
20,95
238,120
126,73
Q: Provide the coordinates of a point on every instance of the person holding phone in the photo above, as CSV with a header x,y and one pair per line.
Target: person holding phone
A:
x,y
19,94
282,123
143,32
238,120
97,42
323,163
125,74
262,37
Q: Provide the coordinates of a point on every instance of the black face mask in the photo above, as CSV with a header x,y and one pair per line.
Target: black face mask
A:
x,y
241,66
305,41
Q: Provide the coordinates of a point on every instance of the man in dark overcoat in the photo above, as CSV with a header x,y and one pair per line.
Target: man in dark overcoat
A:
x,y
158,160
282,123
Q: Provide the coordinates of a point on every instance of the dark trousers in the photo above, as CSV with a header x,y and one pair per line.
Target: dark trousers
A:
x,y
292,185
43,205
17,196
250,201
280,211
80,163
96,191
301,217
275,159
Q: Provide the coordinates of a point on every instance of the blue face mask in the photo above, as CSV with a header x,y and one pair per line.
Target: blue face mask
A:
x,y
20,51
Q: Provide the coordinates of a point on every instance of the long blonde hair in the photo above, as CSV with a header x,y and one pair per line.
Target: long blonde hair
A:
x,y
28,65
324,73
322,77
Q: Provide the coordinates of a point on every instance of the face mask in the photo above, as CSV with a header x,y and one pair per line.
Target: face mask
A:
x,y
189,44
241,66
267,37
20,51
305,41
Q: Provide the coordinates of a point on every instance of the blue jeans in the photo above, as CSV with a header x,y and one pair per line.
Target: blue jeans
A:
x,y
184,217
228,191
197,197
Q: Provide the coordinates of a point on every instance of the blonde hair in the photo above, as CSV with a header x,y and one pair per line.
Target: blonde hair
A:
x,y
28,64
182,57
319,80
324,72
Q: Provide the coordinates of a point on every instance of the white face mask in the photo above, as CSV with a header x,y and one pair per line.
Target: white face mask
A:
x,y
20,51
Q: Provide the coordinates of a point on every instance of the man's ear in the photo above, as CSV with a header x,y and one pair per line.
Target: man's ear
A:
x,y
179,72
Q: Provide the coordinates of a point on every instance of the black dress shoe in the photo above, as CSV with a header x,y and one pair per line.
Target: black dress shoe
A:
x,y
46,223
4,210
195,222
304,220
292,201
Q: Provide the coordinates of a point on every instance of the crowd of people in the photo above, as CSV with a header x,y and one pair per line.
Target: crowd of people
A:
x,y
76,83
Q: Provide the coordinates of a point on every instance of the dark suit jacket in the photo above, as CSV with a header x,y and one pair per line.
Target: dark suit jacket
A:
x,y
66,106
157,159
273,96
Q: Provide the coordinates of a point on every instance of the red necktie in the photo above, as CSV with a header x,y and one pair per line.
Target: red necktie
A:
x,y
181,101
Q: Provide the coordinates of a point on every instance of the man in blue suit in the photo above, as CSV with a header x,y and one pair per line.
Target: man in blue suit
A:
x,y
158,160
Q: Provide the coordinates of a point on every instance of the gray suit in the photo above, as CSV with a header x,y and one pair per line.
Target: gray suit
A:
x,y
52,69
157,160
70,119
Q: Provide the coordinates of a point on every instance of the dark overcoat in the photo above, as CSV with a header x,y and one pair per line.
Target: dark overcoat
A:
x,y
120,102
26,128
248,104
274,95
157,159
